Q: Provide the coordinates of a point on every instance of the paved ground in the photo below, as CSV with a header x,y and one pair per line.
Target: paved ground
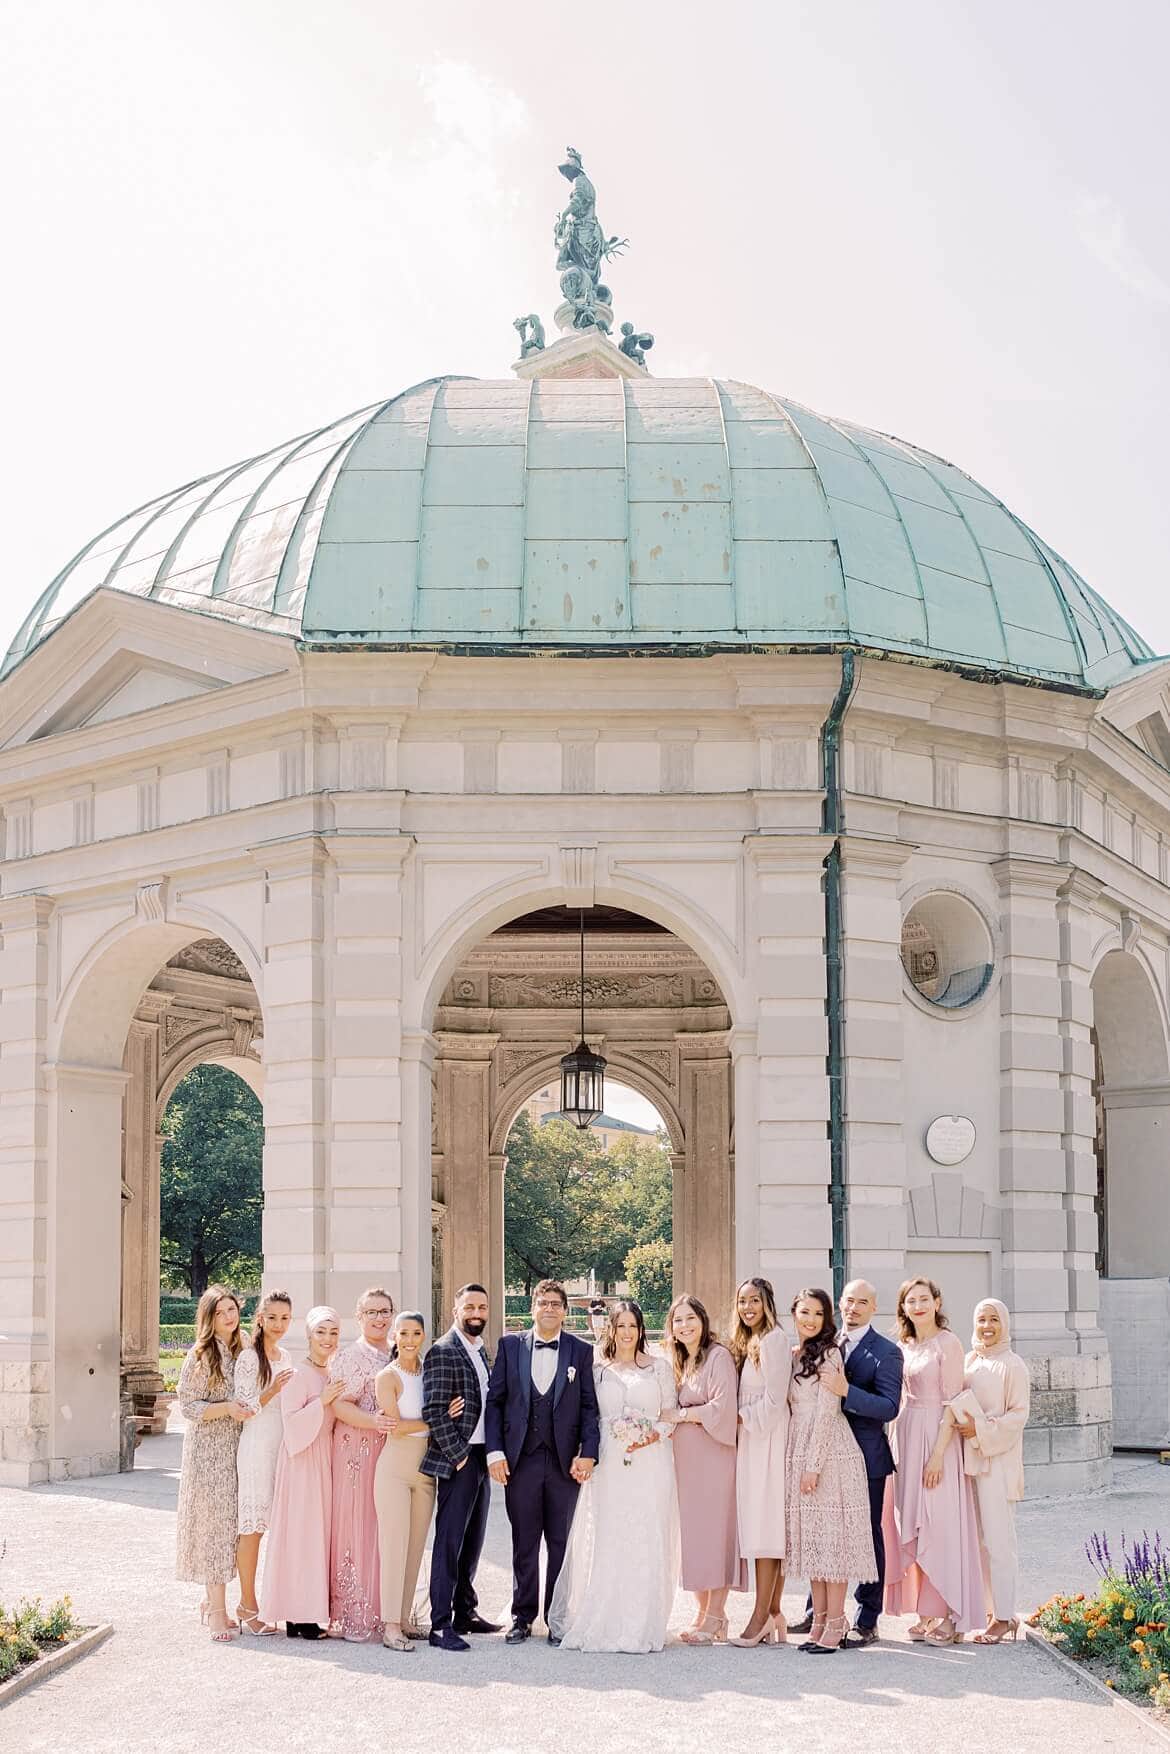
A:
x,y
159,1687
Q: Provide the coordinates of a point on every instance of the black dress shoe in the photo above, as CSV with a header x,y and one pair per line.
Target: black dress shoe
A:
x,y
292,1629
477,1623
517,1632
804,1625
554,1638
858,1637
447,1639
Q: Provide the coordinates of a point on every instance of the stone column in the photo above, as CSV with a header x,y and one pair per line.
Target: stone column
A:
x,y
24,1192
678,1219
141,1146
370,1180
418,1187
875,1153
293,1002
708,1232
464,1068
1048,1171
786,1155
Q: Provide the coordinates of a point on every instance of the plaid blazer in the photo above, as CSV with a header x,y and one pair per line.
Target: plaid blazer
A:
x,y
447,1372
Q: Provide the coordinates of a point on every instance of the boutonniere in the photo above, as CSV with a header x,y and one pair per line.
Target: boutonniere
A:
x,y
572,1372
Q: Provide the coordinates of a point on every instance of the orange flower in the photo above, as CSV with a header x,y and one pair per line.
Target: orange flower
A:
x,y
1091,1633
1079,1598
1108,1683
1137,1645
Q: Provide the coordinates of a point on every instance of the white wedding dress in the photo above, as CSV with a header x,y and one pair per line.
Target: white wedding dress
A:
x,y
618,1582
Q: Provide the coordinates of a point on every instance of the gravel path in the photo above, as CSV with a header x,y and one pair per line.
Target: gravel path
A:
x,y
159,1687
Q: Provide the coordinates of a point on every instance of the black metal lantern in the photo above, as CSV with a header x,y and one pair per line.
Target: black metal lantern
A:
x,y
582,1071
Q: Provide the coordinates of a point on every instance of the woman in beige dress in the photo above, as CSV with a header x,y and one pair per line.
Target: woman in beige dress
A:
x,y
763,1357
263,1369
991,1414
704,1467
829,1536
207,1516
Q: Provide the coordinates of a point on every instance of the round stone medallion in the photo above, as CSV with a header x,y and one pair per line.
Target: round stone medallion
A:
x,y
950,1139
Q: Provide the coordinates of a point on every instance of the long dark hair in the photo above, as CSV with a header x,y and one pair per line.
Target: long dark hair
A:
x,y
205,1348
607,1345
744,1342
812,1352
405,1315
678,1353
263,1368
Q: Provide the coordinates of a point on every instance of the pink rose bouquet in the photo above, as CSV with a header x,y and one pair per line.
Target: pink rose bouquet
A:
x,y
630,1429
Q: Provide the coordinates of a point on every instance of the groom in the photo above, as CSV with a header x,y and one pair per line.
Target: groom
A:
x,y
542,1434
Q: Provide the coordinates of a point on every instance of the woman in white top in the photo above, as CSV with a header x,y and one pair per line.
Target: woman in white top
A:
x,y
261,1372
617,1584
403,1497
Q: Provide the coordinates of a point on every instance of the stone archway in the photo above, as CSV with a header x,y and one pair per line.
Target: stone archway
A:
x,y
200,1007
1132,1090
505,1017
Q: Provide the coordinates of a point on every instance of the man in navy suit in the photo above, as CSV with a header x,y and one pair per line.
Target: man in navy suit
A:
x,y
542,1435
871,1388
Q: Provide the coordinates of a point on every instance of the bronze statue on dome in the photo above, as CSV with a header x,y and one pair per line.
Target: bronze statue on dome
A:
x,y
529,342
582,246
635,344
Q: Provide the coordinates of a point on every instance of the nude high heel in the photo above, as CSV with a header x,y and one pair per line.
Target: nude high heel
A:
x,y
834,1628
1007,1629
253,1625
944,1633
712,1629
764,1636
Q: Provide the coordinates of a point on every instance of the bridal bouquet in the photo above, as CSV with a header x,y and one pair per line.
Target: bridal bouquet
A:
x,y
630,1428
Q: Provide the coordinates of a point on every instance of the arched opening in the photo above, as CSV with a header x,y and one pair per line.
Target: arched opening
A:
x,y
1132,1149
150,1002
593,1208
506,1015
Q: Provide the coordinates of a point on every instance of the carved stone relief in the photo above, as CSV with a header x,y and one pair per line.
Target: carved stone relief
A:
x,y
210,956
551,991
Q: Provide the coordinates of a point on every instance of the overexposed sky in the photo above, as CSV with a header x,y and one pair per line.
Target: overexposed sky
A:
x,y
228,223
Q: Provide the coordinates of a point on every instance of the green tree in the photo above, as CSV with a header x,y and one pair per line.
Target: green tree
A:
x,y
557,1193
639,1202
212,1194
650,1271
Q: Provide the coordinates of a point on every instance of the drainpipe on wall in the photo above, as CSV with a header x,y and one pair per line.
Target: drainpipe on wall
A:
x,y
833,822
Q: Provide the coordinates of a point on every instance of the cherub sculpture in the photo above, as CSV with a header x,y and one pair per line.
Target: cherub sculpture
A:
x,y
529,343
635,345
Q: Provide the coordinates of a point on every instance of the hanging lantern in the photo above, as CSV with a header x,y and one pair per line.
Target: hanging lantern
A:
x,y
582,1071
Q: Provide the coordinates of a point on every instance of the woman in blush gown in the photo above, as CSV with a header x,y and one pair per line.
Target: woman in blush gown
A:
x,y
262,1371
620,1572
933,1567
704,1463
763,1357
359,1431
296,1562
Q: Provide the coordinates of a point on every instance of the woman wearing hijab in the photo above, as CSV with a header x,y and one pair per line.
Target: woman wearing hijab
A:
x,y
990,1416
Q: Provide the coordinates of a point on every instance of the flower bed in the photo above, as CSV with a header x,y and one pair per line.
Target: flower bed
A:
x,y
1121,1632
29,1632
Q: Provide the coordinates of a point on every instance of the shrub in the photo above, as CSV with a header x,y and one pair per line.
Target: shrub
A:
x,y
1126,1623
650,1271
29,1628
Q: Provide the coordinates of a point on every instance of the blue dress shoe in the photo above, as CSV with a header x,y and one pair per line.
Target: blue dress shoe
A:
x,y
447,1640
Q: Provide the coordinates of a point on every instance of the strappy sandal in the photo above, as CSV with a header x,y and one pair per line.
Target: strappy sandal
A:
x,y
918,1633
815,1632
1007,1629
936,1635
252,1624
221,1634
712,1629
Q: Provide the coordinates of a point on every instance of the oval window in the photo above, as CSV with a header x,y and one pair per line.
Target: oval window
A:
x,y
946,950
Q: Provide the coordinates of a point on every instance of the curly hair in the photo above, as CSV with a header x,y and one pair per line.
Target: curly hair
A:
x,y
744,1342
813,1351
906,1328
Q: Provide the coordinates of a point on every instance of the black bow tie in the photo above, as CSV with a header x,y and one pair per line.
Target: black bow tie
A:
x,y
547,1345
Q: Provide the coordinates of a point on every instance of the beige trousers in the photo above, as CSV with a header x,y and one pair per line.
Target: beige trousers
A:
x,y
997,1538
404,1500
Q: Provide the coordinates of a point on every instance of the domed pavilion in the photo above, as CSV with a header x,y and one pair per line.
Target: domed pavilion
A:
x,y
325,766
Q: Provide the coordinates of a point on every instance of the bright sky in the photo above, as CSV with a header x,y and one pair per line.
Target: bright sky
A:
x,y
230,222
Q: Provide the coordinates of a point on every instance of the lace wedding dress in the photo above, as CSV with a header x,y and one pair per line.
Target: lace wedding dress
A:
x,y
618,1581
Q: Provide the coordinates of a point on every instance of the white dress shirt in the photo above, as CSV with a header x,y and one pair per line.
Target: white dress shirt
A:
x,y
475,1349
544,1370
852,1338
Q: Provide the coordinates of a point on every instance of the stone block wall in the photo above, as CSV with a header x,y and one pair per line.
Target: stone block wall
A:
x,y
1068,1443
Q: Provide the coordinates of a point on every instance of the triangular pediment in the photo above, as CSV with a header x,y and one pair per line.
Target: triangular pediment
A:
x,y
1140,708
123,686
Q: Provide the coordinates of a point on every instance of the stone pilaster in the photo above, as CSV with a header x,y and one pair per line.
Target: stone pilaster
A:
x,y
784,1082
875,1151
141,1157
464,1101
708,1265
25,1384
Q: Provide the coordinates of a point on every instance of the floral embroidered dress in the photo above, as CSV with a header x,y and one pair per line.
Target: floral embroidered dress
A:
x,y
207,1480
829,1535
354,1563
259,1441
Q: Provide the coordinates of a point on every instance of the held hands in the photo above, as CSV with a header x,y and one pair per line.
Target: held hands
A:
x,y
582,1466
808,1483
498,1471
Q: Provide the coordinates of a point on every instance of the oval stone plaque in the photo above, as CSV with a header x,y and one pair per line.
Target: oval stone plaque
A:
x,y
950,1138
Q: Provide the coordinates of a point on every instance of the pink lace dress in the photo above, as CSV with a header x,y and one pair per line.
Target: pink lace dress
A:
x,y
829,1536
354,1561
933,1566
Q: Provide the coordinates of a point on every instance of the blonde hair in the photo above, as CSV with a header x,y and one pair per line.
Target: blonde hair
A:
x,y
744,1342
205,1348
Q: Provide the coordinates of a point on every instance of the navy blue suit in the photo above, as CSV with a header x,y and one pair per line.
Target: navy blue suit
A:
x,y
874,1371
540,1435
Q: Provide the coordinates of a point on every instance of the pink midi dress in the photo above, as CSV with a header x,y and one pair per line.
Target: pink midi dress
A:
x,y
704,1467
296,1554
355,1592
933,1565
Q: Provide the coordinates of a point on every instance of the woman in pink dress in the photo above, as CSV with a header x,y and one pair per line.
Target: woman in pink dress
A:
x,y
296,1560
359,1431
704,1464
763,1357
933,1566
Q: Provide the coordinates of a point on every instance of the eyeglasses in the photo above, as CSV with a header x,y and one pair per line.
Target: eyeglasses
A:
x,y
549,1303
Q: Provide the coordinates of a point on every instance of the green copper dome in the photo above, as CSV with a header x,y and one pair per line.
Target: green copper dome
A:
x,y
609,514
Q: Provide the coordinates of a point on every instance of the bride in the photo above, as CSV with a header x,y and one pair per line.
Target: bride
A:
x,y
618,1581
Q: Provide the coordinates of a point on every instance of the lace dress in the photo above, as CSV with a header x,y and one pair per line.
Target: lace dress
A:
x,y
354,1563
829,1535
259,1442
207,1480
617,1584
